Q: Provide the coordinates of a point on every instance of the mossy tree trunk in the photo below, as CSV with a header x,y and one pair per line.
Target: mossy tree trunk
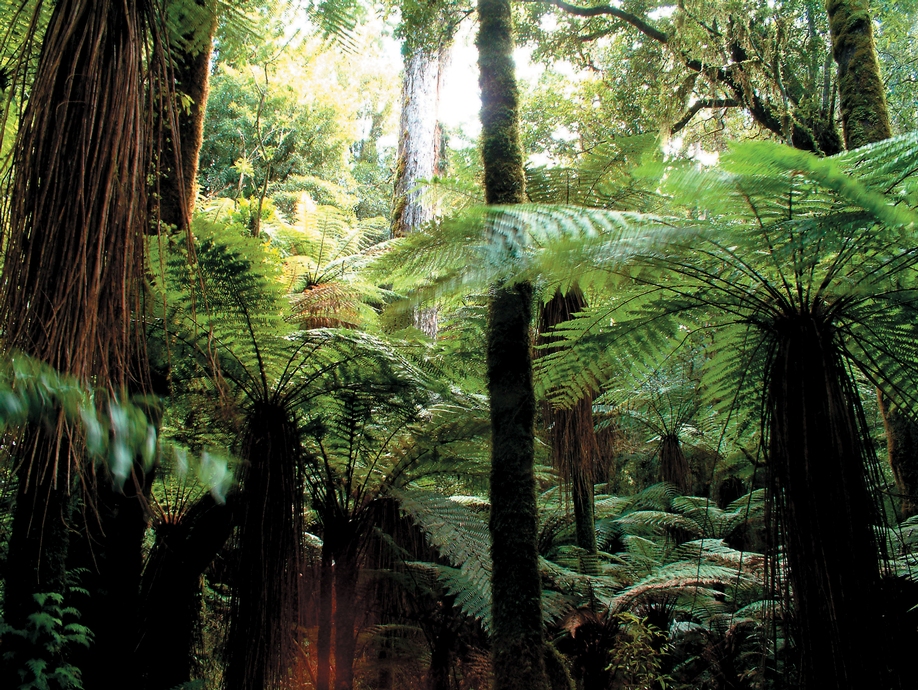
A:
x,y
861,93
191,54
865,120
517,643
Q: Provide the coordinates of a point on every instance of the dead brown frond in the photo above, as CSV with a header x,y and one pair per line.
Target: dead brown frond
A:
x,y
327,305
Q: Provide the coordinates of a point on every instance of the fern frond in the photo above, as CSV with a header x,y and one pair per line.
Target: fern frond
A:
x,y
459,533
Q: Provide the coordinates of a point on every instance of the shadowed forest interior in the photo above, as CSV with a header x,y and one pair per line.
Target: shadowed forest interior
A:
x,y
434,345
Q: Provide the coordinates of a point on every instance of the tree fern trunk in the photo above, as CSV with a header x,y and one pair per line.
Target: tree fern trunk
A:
x,y
574,448
39,541
324,631
346,574
171,591
110,549
817,457
516,589
264,620
674,467
73,253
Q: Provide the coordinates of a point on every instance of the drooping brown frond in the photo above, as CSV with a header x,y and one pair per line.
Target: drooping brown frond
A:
x,y
574,448
73,252
327,305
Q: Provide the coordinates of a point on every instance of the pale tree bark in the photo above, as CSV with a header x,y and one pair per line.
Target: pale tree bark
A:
x,y
419,151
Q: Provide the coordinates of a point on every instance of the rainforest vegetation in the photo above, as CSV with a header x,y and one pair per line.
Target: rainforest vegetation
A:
x,y
307,383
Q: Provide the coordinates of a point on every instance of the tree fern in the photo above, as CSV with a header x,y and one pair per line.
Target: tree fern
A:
x,y
789,238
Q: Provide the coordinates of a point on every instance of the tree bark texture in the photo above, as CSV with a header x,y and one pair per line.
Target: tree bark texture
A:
x,y
264,627
74,254
419,140
418,152
826,513
862,95
181,148
516,589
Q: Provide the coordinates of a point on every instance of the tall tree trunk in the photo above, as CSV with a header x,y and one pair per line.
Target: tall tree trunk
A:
x,y
419,139
264,627
818,460
74,256
516,588
865,119
171,591
191,55
574,448
346,574
862,95
418,151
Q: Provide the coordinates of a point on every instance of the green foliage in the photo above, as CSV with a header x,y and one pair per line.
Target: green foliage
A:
x,y
636,661
461,535
268,125
795,233
43,644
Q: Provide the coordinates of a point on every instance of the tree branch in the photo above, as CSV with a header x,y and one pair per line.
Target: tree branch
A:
x,y
701,105
599,10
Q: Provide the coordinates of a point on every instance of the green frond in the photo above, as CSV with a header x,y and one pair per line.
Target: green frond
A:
x,y
462,537
338,20
657,522
717,552
469,598
111,431
578,586
695,586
